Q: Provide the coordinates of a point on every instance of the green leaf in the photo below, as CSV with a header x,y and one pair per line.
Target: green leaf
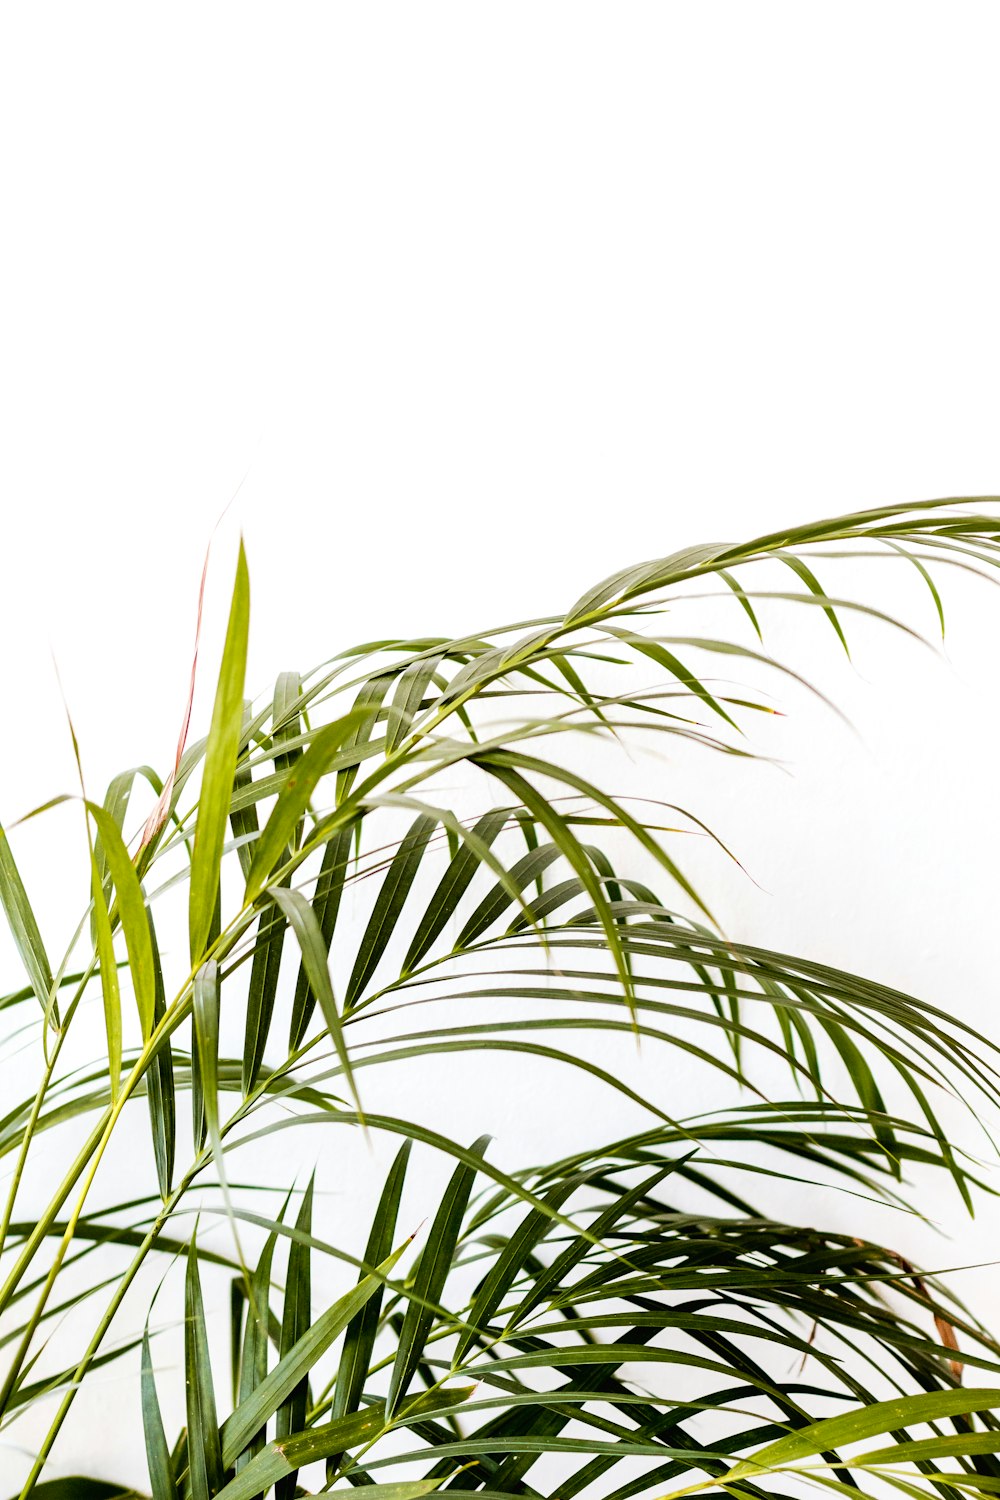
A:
x,y
220,767
395,888
429,1278
293,801
251,1415
110,987
253,1362
204,1450
161,1474
364,721
295,1320
551,1277
160,1092
864,1422
530,867
515,1255
205,1010
812,583
326,906
569,846
285,719
116,801
302,920
408,697
359,1340
263,990
243,815
132,913
23,927
453,885
287,1456
748,609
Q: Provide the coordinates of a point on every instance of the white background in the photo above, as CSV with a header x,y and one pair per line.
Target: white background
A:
x,y
473,304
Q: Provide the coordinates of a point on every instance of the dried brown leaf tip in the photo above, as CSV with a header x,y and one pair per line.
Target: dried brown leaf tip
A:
x,y
945,1330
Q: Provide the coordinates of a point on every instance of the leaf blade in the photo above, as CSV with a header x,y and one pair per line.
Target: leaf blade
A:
x,y
220,766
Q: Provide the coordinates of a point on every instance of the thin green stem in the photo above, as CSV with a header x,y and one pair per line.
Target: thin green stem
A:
x,y
42,1090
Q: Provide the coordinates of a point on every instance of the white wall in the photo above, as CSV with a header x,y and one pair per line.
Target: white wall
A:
x,y
473,304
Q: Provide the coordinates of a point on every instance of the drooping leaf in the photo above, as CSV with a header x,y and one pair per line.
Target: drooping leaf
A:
x,y
326,906
302,920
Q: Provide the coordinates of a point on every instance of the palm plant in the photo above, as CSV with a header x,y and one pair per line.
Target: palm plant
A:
x,y
412,838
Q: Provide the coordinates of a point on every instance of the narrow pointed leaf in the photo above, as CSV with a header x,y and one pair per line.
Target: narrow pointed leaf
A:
x,y
160,1092
303,922
530,867
511,1262
865,1422
359,1340
204,1452
132,913
264,974
161,1474
452,887
220,767
23,927
430,1276
293,801
812,583
326,906
364,721
395,888
253,1360
295,1321
110,988
206,1030
243,816
413,684
287,1456
251,1415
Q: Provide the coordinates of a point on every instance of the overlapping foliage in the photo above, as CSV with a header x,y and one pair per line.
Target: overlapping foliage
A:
x,y
622,1321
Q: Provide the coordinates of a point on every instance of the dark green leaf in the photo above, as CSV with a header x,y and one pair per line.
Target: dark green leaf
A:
x,y
161,1473
295,1320
429,1278
204,1451
393,891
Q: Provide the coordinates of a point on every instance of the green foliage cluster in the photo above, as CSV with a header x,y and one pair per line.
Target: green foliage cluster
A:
x,y
620,1321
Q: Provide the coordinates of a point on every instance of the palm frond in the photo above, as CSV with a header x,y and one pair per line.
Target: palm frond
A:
x,y
423,830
